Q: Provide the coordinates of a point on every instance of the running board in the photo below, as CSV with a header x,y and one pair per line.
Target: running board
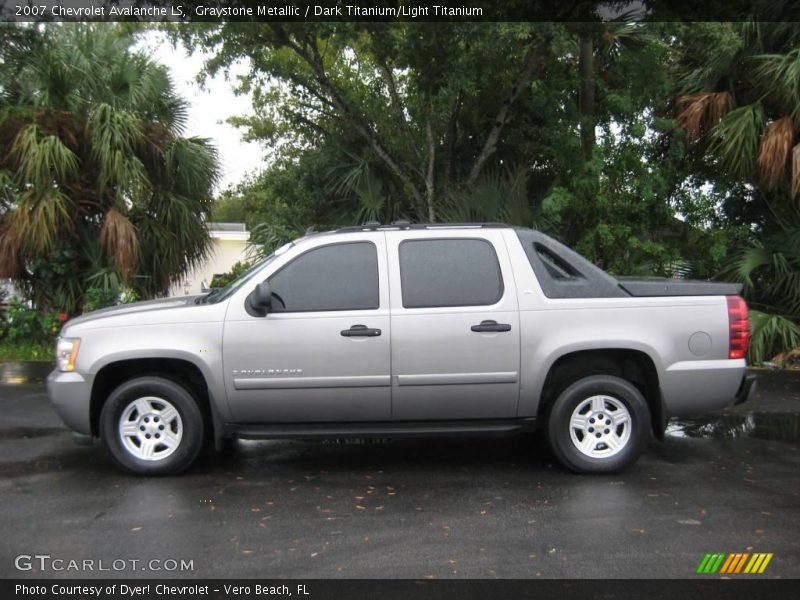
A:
x,y
271,431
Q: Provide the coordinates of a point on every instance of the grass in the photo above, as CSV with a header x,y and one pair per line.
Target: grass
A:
x,y
20,352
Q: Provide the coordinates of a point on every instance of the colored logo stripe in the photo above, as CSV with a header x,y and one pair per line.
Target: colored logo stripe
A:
x,y
723,563
734,563
711,563
758,563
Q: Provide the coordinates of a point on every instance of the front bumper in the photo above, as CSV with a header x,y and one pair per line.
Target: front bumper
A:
x,y
70,394
747,387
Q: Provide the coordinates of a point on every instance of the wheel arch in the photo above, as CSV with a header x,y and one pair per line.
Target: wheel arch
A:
x,y
635,366
178,369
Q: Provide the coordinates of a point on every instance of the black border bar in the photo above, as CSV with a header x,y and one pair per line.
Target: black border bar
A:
x,y
396,10
386,589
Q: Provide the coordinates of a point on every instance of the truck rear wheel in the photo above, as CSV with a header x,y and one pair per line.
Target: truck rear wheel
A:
x,y
152,426
599,424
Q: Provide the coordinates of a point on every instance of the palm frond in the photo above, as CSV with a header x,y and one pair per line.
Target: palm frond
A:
x,y
49,216
773,151
498,195
698,113
39,219
115,135
51,80
134,184
11,264
796,171
748,262
780,74
119,238
156,100
191,165
771,334
735,139
45,160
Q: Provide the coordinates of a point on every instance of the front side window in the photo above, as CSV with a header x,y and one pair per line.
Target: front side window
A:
x,y
449,272
334,277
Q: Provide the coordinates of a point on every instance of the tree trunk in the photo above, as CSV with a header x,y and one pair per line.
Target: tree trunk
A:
x,y
490,145
586,93
429,176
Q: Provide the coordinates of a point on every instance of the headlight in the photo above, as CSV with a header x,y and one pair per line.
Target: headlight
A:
x,y
67,353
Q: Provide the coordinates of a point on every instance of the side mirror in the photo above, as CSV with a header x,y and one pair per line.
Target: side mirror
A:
x,y
259,301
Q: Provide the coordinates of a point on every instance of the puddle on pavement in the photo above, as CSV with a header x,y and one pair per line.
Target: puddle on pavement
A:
x,y
16,373
783,427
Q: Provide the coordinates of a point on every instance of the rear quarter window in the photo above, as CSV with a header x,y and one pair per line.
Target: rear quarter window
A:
x,y
563,273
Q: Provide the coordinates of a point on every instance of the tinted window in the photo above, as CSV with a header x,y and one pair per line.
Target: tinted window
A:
x,y
336,277
555,265
452,272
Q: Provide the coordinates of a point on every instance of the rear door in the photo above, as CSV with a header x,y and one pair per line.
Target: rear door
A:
x,y
455,325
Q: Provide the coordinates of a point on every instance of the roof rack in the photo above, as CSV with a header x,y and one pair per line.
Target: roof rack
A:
x,y
403,224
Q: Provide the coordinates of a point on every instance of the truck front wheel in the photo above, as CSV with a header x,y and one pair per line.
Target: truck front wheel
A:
x,y
152,426
599,424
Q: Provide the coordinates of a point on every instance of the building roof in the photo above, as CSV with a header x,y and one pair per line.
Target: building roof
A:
x,y
228,231
226,226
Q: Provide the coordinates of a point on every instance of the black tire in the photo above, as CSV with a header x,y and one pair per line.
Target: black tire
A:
x,y
613,393
189,422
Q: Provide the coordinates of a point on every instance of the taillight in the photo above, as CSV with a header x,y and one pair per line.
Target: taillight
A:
x,y
738,327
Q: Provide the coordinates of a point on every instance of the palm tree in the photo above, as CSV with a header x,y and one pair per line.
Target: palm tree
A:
x,y
97,186
741,106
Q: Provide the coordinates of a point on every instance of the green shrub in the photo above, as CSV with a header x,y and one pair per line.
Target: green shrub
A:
x,y
24,325
128,296
16,352
97,298
771,335
237,270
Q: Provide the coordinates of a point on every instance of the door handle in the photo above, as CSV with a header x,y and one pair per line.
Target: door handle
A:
x,y
487,326
360,331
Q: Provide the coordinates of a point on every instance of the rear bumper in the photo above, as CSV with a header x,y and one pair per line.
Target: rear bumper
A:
x,y
697,387
748,387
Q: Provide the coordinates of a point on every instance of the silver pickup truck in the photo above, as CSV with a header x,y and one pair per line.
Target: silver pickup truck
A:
x,y
396,330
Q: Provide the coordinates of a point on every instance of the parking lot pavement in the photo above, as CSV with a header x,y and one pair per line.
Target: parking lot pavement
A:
x,y
478,508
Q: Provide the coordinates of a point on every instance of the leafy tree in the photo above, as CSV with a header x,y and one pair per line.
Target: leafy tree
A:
x,y
98,188
465,121
410,109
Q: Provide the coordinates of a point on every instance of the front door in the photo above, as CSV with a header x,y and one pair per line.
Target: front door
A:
x,y
455,326
322,353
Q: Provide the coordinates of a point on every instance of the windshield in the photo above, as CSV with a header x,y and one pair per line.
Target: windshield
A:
x,y
224,292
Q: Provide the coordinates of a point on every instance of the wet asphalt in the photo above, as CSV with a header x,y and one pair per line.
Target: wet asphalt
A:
x,y
446,508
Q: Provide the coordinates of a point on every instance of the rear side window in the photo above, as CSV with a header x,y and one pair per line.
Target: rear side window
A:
x,y
555,265
335,277
449,272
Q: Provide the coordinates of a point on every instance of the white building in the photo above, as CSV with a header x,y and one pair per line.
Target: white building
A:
x,y
229,246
